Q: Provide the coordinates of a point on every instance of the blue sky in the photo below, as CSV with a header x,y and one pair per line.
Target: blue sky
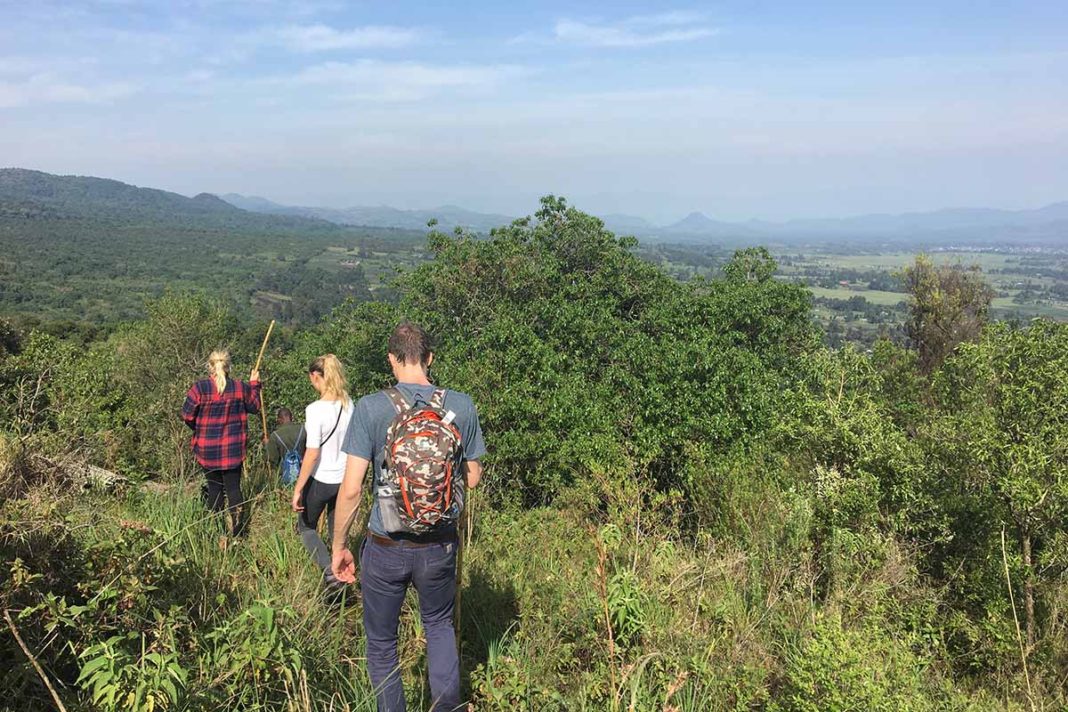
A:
x,y
739,109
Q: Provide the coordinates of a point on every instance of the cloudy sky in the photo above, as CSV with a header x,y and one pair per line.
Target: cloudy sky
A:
x,y
738,109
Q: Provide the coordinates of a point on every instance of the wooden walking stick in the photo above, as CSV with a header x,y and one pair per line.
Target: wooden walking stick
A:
x,y
464,532
259,360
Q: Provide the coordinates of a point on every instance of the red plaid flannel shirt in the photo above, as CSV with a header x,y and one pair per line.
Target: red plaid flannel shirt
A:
x,y
219,421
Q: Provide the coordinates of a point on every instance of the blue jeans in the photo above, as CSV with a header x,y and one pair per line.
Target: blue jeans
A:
x,y
385,572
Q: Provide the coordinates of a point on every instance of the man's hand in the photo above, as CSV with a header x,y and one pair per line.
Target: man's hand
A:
x,y
343,566
254,377
298,503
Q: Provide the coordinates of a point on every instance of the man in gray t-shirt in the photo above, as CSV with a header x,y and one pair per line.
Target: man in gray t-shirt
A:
x,y
390,562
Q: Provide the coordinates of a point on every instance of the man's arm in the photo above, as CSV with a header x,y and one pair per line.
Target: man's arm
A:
x,y
348,507
473,473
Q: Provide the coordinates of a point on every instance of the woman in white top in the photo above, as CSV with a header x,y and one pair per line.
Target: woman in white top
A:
x,y
323,468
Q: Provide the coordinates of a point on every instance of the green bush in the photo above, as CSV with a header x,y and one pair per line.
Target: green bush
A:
x,y
838,669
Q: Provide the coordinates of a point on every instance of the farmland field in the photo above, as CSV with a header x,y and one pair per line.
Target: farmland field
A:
x,y
859,296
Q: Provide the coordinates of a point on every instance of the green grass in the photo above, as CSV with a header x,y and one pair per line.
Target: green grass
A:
x,y
714,624
897,260
873,296
1003,306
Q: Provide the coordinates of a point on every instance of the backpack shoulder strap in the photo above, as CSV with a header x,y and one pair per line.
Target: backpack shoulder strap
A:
x,y
400,403
438,399
296,442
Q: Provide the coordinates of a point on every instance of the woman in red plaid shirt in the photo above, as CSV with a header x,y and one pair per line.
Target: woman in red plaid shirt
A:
x,y
217,410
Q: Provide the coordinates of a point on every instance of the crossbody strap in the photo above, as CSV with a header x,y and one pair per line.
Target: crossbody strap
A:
x,y
340,410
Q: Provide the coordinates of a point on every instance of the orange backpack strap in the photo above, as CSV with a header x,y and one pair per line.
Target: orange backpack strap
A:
x,y
438,399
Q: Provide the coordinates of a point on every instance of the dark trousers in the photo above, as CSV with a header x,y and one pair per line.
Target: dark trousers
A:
x,y
317,496
228,482
385,572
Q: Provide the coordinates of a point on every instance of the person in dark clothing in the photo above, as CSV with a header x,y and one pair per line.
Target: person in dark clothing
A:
x,y
288,435
217,409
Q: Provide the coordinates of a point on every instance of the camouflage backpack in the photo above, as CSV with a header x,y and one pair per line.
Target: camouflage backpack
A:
x,y
415,492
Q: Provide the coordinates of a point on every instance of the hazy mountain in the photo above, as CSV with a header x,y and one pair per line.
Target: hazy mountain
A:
x,y
627,224
1045,225
1053,212
34,194
700,225
25,193
254,203
448,216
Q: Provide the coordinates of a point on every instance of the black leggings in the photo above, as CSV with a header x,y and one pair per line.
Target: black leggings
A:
x,y
317,497
228,481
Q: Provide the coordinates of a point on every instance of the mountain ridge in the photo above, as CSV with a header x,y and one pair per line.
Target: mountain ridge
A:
x,y
1048,223
28,193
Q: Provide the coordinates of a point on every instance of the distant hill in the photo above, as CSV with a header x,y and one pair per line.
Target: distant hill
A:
x,y
700,225
27,193
976,221
627,224
1047,226
80,250
448,216
253,203
33,194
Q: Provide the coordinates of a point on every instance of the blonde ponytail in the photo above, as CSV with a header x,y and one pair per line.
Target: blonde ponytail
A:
x,y
219,368
335,385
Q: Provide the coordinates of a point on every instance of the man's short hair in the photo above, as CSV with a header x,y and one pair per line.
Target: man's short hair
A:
x,y
409,343
285,414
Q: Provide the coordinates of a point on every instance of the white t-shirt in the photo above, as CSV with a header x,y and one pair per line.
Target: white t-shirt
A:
x,y
319,419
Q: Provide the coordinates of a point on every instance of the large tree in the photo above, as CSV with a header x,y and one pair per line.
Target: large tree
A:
x,y
948,305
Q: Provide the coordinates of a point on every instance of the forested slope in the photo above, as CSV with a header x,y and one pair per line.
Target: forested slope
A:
x,y
690,503
80,253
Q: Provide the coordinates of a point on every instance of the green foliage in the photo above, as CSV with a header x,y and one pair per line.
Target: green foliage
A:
x,y
761,522
837,669
625,607
120,680
582,357
751,264
1001,434
253,657
102,249
1005,408
948,305
504,683
845,430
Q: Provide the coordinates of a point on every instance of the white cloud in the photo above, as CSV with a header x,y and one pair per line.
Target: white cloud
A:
x,y
639,31
50,89
401,81
323,38
26,66
674,17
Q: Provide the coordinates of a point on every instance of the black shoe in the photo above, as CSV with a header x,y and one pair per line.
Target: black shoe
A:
x,y
334,592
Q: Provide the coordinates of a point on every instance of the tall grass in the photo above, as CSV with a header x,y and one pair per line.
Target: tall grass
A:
x,y
573,607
